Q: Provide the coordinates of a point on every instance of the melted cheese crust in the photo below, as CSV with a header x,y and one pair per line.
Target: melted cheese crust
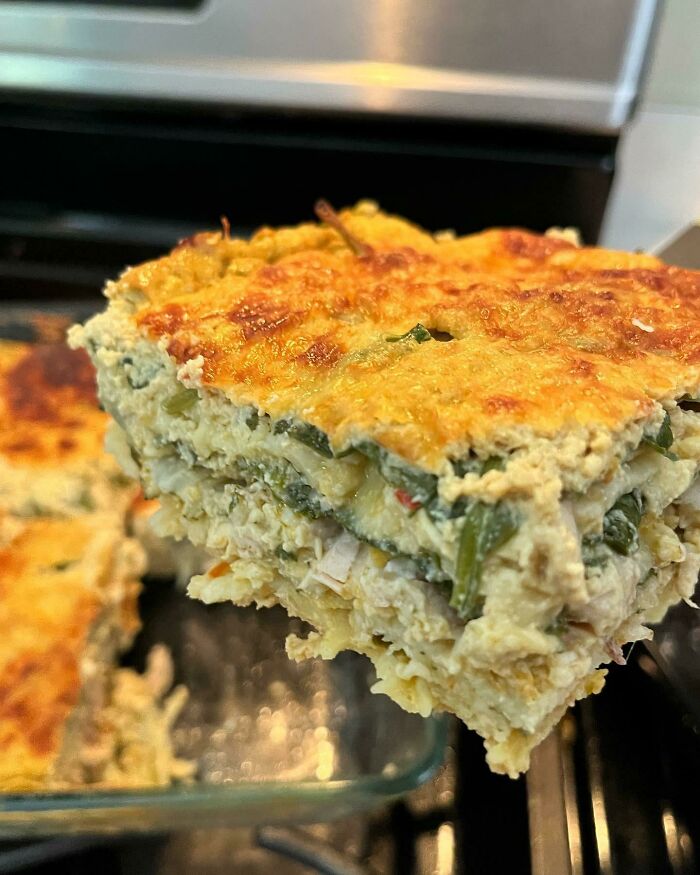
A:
x,y
52,457
48,405
64,586
546,336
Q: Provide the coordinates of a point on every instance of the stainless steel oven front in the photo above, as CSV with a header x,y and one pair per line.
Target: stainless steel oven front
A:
x,y
576,65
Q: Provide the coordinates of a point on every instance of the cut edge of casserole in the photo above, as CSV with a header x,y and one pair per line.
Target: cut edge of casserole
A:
x,y
490,576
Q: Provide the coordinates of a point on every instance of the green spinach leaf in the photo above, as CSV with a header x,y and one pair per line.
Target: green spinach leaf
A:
x,y
486,527
475,465
306,434
420,485
662,440
620,531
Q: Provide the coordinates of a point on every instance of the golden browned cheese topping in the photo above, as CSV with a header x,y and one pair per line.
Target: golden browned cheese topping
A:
x,y
48,404
527,330
47,610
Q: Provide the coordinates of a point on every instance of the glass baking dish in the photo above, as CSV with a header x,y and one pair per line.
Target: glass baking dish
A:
x,y
274,741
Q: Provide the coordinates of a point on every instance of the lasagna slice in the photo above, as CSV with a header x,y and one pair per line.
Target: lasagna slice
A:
x,y
472,459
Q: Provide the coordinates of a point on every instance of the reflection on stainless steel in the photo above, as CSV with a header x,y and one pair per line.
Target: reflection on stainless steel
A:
x,y
555,840
678,843
682,249
541,61
567,732
594,768
445,842
387,30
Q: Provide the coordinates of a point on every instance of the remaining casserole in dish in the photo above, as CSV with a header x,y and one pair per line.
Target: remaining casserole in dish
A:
x,y
52,460
86,747
471,459
69,717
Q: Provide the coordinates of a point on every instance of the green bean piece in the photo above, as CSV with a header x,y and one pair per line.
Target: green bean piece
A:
x,y
180,402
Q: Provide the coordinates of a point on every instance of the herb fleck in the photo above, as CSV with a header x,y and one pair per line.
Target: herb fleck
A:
x,y
419,333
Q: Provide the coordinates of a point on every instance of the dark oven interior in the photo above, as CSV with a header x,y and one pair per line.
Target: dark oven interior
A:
x,y
91,186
